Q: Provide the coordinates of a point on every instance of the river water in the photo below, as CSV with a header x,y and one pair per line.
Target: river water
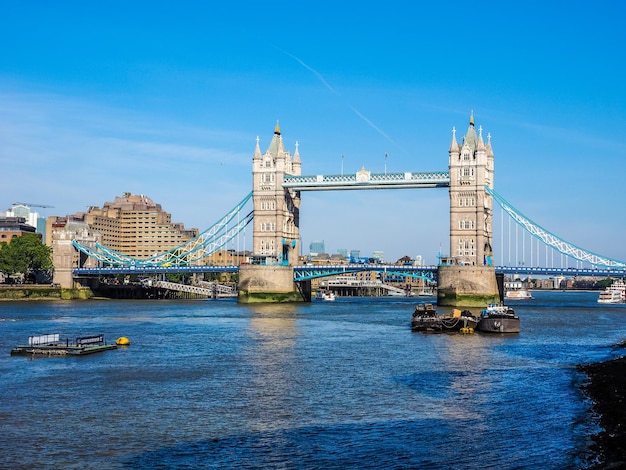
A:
x,y
344,384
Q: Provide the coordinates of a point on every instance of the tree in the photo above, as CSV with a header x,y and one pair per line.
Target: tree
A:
x,y
25,255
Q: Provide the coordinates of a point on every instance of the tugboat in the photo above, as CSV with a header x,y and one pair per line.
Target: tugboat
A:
x,y
499,318
425,318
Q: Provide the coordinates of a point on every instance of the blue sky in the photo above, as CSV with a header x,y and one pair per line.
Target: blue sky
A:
x,y
166,99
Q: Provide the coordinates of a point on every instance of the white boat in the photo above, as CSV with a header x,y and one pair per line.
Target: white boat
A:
x,y
325,295
613,294
518,294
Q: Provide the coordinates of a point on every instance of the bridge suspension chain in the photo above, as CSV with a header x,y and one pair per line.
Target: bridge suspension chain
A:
x,y
552,240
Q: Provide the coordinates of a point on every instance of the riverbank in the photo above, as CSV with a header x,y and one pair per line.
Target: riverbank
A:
x,y
606,387
43,292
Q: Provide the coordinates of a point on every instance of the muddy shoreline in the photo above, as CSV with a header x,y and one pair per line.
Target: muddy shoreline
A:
x,y
606,387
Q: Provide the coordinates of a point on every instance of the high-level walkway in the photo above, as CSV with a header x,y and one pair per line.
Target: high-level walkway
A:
x,y
365,180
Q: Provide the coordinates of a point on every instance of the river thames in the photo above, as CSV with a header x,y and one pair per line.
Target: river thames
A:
x,y
344,384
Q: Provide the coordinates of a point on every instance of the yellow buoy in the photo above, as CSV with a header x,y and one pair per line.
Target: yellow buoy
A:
x,y
123,341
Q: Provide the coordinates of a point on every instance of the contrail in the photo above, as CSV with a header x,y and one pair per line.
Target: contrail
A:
x,y
312,70
371,124
327,85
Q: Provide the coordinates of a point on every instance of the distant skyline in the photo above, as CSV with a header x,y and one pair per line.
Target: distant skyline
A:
x,y
168,100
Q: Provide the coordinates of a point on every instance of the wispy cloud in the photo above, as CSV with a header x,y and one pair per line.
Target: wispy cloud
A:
x,y
71,154
321,78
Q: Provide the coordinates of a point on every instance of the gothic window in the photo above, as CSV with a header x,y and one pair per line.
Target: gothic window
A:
x,y
466,155
268,163
466,171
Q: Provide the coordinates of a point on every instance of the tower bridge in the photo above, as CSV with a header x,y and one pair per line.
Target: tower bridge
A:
x,y
465,277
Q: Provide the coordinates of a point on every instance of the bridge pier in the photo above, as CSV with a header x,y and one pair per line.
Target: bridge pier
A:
x,y
467,286
263,283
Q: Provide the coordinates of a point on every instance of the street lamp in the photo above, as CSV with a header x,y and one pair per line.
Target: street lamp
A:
x,y
386,155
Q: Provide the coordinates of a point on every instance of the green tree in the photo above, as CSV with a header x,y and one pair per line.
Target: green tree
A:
x,y
25,255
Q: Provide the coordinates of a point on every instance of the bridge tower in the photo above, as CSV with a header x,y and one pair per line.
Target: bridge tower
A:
x,y
276,231
467,277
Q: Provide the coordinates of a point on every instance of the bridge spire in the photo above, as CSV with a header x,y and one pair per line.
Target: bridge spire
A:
x,y
454,145
481,142
257,151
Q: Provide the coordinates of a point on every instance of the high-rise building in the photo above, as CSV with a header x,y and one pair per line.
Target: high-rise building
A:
x,y
316,247
32,218
136,226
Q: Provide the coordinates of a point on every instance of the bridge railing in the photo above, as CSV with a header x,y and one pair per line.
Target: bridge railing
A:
x,y
367,180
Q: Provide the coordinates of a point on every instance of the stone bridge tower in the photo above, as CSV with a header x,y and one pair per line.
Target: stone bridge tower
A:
x,y
276,232
471,208
467,277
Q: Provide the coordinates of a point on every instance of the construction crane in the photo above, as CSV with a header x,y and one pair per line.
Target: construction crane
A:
x,y
32,205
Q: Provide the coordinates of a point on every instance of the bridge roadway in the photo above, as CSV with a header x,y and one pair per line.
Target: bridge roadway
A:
x,y
305,272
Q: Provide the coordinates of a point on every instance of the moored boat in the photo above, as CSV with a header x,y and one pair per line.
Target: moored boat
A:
x,y
518,294
326,295
499,318
613,294
425,318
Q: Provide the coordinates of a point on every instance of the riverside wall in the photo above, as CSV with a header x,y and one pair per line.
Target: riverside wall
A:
x,y
44,292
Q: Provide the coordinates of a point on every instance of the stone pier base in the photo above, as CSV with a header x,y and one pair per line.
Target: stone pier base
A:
x,y
467,286
260,283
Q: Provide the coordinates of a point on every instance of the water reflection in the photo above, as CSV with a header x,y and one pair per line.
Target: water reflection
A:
x,y
271,359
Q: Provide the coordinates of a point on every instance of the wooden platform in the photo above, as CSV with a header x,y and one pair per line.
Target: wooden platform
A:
x,y
51,345
60,350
